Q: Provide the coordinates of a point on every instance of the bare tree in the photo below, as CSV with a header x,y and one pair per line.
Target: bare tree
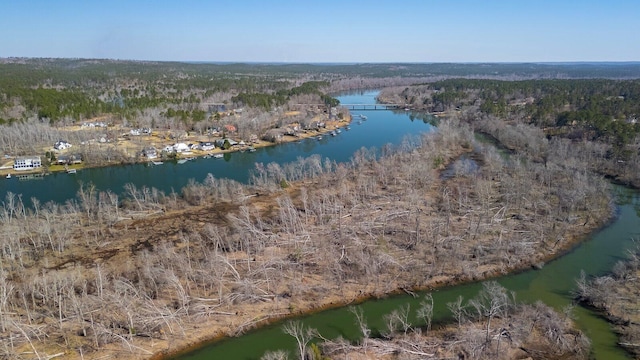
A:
x,y
425,311
302,335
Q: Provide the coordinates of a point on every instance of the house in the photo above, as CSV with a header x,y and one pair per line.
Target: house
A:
x,y
274,135
220,142
61,145
180,147
27,163
206,145
292,130
230,128
138,132
311,124
94,124
150,153
69,159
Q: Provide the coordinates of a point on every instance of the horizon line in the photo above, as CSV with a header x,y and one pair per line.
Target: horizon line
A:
x,y
259,62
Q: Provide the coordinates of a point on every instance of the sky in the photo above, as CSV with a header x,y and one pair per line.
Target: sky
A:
x,y
321,31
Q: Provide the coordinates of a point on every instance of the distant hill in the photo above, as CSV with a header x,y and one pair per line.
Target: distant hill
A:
x,y
508,71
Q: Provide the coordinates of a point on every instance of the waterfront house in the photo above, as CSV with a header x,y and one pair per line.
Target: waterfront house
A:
x,y
206,145
311,124
69,159
27,163
220,142
150,153
61,145
274,135
180,147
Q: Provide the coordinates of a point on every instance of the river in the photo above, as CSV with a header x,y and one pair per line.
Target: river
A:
x,y
381,127
552,284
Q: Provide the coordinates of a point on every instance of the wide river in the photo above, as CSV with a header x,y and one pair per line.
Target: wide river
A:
x,y
381,127
552,284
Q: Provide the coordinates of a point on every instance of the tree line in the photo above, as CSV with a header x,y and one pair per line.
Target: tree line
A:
x,y
598,116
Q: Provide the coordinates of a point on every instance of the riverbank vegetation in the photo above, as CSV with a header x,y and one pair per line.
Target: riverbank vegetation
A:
x,y
616,296
596,118
492,325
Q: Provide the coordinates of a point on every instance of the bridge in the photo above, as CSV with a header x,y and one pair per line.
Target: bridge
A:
x,y
371,106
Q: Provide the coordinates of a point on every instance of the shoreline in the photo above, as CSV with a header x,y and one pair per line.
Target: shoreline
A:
x,y
576,237
305,134
431,285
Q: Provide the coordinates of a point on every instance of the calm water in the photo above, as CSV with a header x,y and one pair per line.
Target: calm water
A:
x,y
381,127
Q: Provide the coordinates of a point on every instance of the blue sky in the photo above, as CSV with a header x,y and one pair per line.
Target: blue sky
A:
x,y
323,31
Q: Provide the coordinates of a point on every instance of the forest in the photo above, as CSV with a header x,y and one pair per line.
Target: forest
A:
x,y
599,116
140,275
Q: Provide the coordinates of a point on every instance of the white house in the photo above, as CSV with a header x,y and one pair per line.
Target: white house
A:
x,y
138,132
206,146
27,163
180,147
61,145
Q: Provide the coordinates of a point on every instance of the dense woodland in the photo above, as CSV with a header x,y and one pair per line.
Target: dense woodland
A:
x,y
138,274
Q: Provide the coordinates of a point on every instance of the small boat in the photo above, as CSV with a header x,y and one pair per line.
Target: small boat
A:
x,y
252,149
319,137
338,130
333,133
218,156
71,171
363,117
8,176
348,128
182,161
157,162
359,122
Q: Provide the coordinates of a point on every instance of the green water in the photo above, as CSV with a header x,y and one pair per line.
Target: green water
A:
x,y
552,284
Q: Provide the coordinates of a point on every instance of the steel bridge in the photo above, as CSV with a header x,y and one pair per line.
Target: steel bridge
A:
x,y
371,106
